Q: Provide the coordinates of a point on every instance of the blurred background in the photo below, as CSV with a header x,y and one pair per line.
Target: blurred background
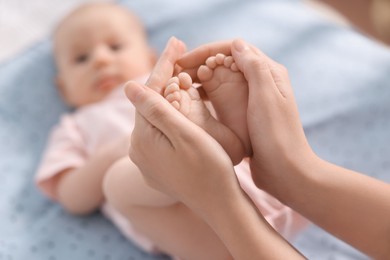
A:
x,y
23,22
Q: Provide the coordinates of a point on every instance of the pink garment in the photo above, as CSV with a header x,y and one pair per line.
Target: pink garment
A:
x,y
79,134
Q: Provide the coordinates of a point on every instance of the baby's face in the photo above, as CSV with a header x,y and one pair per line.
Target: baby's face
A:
x,y
96,50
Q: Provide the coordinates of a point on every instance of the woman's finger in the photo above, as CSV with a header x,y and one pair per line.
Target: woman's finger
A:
x,y
198,56
165,66
157,111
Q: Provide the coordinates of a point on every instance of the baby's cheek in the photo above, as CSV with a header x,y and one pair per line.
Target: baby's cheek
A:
x,y
135,68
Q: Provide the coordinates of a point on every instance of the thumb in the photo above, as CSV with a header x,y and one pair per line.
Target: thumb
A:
x,y
262,73
250,60
165,66
157,111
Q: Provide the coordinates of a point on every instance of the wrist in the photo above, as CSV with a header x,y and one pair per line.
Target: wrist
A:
x,y
238,219
299,173
286,177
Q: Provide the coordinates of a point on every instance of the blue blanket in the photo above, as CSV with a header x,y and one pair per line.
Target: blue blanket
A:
x,y
341,81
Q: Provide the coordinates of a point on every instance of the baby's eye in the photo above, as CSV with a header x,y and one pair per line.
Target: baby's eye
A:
x,y
116,46
81,58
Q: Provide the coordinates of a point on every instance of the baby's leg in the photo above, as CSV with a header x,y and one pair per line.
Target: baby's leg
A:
x,y
227,89
184,97
124,186
172,227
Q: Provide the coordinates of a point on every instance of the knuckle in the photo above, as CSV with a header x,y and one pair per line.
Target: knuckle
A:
x,y
155,111
280,69
258,64
155,81
279,73
283,70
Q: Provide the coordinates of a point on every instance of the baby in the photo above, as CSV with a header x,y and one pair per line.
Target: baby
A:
x,y
86,167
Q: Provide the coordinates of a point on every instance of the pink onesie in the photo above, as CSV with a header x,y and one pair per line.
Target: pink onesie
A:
x,y
80,133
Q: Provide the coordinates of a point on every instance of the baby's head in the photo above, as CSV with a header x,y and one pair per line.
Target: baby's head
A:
x,y
96,48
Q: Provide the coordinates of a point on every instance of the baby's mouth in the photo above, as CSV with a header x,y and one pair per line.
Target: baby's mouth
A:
x,y
107,83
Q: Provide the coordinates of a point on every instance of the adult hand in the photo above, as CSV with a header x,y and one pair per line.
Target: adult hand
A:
x,y
275,130
276,133
176,156
284,164
165,66
191,61
180,159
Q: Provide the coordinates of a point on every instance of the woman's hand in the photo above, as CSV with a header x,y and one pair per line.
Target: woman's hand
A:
x,y
275,130
276,133
176,156
182,160
343,202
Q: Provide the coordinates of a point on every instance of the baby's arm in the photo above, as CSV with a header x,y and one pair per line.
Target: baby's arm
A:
x,y
79,190
71,175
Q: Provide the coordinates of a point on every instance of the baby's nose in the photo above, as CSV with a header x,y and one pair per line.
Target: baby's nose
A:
x,y
102,56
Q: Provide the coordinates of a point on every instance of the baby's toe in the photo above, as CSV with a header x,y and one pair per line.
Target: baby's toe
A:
x,y
172,93
173,97
211,63
228,61
173,80
176,104
185,80
234,67
205,73
220,58
171,88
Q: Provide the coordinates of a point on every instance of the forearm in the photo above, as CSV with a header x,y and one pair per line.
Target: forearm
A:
x,y
350,205
370,16
245,232
80,190
356,11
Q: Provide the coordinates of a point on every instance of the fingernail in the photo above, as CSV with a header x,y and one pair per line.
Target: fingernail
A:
x,y
133,90
240,45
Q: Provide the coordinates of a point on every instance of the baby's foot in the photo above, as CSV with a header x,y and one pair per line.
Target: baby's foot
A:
x,y
185,98
227,89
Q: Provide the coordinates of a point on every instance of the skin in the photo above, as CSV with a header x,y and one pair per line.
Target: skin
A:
x,y
109,175
180,93
97,47
88,70
172,226
370,16
343,202
163,127
379,12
